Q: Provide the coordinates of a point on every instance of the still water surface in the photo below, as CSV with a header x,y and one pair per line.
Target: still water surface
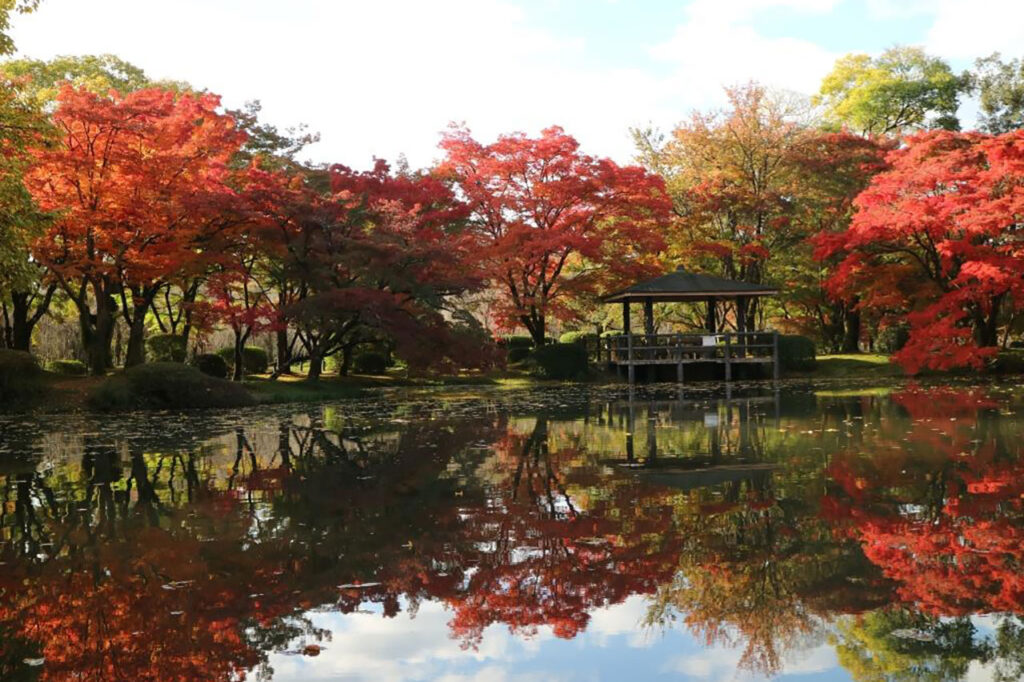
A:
x,y
557,534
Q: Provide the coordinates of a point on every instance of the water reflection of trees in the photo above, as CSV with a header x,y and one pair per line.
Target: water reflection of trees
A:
x,y
141,560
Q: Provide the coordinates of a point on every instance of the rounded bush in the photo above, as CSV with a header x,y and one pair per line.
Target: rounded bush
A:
x,y
578,337
167,348
254,359
796,352
19,375
211,365
517,354
370,362
561,361
71,368
518,341
167,385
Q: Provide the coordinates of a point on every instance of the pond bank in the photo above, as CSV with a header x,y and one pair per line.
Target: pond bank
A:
x,y
57,394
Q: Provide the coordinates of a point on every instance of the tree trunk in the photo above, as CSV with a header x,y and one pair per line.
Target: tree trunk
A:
x,y
98,332
136,352
851,330
316,365
534,324
239,369
21,330
284,352
23,318
346,359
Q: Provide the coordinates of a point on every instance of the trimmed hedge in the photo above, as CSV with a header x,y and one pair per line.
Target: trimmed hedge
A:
x,y
167,385
560,361
211,365
578,337
19,375
254,359
370,362
167,348
70,368
796,353
518,341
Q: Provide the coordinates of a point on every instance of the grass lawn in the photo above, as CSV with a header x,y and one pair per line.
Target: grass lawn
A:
x,y
856,365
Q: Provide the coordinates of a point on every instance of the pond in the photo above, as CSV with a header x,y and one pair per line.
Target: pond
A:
x,y
569,533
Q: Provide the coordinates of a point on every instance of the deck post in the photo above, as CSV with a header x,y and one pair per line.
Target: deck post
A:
x,y
679,359
728,365
629,359
649,316
775,357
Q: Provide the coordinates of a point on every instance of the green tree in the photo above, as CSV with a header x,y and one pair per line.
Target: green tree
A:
x,y
42,79
1000,89
23,300
6,8
902,89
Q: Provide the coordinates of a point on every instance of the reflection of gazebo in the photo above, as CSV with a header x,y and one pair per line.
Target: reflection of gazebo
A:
x,y
713,346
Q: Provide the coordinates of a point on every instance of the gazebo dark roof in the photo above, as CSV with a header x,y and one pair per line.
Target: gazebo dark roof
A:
x,y
682,286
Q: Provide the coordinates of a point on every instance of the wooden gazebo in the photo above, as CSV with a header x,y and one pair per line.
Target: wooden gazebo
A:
x,y
711,345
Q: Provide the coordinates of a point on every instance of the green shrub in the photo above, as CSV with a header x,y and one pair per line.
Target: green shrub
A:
x,y
167,348
71,368
518,354
1008,362
796,353
254,359
560,361
211,365
19,375
511,342
370,362
167,385
578,337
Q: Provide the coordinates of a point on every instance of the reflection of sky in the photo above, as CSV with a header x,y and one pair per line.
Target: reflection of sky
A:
x,y
615,646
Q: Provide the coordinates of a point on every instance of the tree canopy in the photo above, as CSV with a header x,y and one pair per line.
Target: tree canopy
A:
x,y
902,90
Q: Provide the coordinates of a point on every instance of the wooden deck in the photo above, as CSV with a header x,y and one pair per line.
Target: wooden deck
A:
x,y
728,349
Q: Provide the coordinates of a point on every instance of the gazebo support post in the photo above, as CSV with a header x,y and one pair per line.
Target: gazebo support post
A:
x,y
774,356
630,368
728,363
649,316
709,321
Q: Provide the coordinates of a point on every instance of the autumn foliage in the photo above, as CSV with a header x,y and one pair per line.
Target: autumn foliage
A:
x,y
552,225
934,239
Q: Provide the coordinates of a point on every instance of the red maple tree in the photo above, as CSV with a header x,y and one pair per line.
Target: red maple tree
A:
x,y
553,224
935,239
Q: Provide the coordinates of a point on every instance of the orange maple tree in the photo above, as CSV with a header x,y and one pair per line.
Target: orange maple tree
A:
x,y
138,183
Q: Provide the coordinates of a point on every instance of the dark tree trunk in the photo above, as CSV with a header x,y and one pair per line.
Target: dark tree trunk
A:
x,y
284,352
316,364
23,319
97,329
140,303
534,324
346,359
239,369
21,330
986,326
851,329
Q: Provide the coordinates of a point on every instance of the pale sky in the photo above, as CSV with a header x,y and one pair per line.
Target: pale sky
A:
x,y
384,77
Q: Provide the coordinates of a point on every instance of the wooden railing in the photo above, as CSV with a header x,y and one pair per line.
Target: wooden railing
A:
x,y
679,349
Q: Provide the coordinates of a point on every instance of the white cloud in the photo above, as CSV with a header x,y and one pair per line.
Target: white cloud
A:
x,y
966,29
386,77
718,46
